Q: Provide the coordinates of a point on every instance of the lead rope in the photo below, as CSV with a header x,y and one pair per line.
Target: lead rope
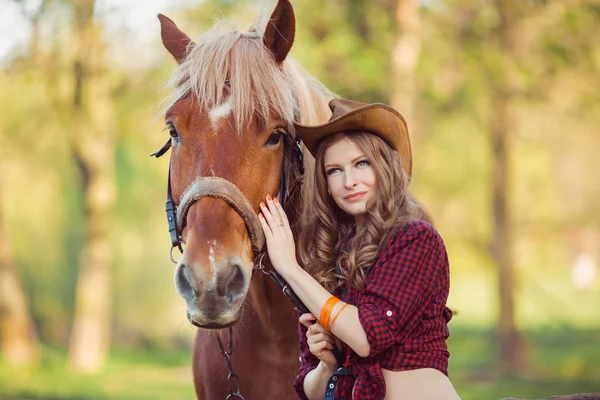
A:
x,y
232,377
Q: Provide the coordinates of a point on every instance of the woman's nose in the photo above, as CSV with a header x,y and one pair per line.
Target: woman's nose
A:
x,y
350,180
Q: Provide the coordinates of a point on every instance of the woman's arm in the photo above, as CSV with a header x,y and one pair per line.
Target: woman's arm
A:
x,y
347,327
316,380
281,248
394,290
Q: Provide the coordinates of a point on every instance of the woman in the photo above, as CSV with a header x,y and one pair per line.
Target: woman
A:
x,y
376,278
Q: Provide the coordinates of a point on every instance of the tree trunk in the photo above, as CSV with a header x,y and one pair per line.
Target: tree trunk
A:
x,y
405,56
512,356
18,341
93,144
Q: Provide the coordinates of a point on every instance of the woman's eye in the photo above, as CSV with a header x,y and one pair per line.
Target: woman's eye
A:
x,y
332,171
362,163
274,138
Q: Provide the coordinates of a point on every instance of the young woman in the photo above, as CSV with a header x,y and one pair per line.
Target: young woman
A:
x,y
376,278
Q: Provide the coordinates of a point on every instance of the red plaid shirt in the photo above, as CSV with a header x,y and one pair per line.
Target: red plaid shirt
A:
x,y
403,311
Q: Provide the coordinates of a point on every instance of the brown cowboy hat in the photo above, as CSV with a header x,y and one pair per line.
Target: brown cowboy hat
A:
x,y
376,118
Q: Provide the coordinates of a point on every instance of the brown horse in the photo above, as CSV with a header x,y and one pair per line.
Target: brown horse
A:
x,y
235,99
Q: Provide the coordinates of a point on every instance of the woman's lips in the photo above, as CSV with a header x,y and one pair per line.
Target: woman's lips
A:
x,y
354,196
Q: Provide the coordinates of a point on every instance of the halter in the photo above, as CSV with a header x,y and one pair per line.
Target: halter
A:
x,y
221,188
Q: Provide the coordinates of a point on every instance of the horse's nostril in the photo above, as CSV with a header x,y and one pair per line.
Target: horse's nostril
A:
x,y
231,282
183,284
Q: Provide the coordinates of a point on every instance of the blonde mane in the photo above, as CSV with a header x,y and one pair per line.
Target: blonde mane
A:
x,y
257,86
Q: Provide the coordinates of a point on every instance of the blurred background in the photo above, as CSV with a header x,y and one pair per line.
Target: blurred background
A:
x,y
501,98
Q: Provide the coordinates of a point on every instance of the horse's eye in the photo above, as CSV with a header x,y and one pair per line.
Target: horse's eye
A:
x,y
274,138
172,130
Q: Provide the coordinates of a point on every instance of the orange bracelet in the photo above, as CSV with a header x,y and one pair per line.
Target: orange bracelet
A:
x,y
337,315
326,311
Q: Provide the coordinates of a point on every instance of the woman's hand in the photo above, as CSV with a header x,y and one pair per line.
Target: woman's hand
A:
x,y
320,341
278,234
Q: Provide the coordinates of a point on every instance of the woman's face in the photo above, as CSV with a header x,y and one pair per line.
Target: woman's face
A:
x,y
350,177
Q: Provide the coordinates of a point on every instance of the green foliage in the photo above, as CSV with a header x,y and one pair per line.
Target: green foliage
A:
x,y
345,44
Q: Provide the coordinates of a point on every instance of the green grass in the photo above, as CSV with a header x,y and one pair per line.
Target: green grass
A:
x,y
565,361
127,376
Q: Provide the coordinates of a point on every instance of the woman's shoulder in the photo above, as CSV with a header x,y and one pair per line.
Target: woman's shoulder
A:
x,y
412,231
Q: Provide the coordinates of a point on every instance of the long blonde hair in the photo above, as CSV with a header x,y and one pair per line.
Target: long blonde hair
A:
x,y
326,227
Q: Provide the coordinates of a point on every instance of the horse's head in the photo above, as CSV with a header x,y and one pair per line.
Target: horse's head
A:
x,y
229,120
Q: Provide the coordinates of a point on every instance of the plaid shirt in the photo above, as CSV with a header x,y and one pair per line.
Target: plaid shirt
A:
x,y
402,309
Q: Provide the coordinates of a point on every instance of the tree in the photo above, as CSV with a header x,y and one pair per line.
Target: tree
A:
x,y
502,126
93,145
404,58
18,340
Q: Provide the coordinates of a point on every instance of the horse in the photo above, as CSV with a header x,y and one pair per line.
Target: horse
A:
x,y
230,121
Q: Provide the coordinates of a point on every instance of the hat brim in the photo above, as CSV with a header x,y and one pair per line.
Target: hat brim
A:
x,y
377,119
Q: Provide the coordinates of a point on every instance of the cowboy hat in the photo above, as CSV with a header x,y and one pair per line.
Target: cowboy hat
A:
x,y
376,118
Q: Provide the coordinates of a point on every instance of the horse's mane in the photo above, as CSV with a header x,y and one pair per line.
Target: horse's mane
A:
x,y
314,98
258,87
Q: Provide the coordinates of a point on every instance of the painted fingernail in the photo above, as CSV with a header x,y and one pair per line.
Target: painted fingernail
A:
x,y
260,215
269,197
276,200
262,204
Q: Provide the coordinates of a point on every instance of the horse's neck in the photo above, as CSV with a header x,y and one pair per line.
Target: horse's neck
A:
x,y
272,310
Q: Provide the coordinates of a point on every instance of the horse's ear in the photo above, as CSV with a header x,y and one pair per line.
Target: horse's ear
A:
x,y
280,31
173,39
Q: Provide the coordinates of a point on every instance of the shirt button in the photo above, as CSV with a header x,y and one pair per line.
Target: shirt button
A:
x,y
388,313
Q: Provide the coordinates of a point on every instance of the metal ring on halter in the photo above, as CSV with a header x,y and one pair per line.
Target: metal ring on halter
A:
x,y
258,264
171,253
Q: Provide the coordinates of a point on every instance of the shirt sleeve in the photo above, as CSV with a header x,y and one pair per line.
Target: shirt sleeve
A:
x,y
308,362
398,285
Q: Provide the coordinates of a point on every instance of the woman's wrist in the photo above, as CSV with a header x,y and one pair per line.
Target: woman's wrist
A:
x,y
291,271
326,369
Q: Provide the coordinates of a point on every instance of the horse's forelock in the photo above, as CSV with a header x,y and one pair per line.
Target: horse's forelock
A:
x,y
259,87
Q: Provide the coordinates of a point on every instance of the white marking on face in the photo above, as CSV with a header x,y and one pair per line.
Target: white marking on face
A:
x,y
212,263
219,112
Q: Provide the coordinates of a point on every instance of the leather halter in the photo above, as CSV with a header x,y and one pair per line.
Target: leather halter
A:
x,y
222,188
292,167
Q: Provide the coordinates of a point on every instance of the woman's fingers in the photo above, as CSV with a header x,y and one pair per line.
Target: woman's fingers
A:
x,y
318,328
307,319
320,346
269,217
282,213
277,211
274,210
319,337
321,349
266,228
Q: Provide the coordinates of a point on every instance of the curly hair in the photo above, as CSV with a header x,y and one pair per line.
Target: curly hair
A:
x,y
326,227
